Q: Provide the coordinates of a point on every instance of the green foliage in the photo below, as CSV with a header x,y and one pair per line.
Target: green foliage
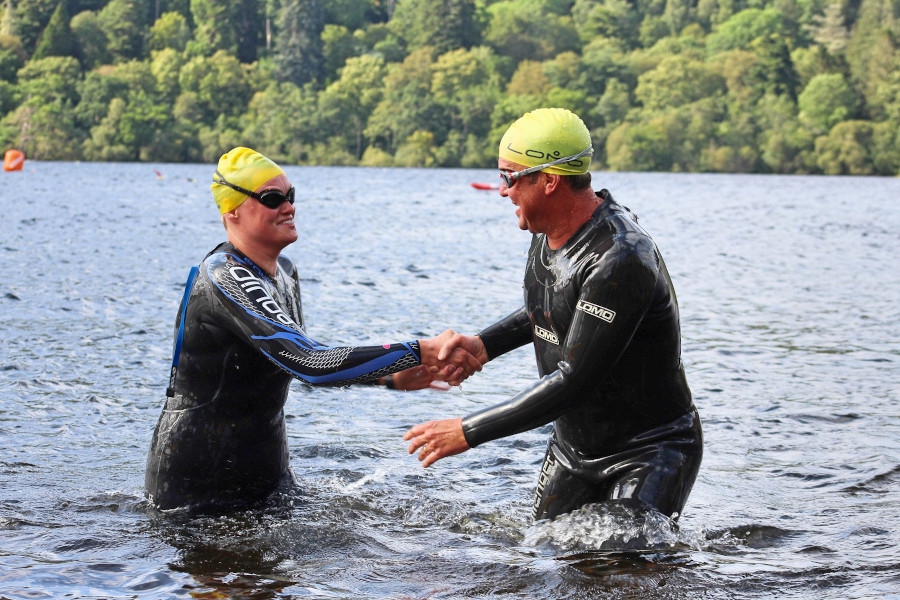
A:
x,y
299,27
31,16
614,104
166,66
170,30
782,86
339,45
44,131
97,90
827,100
7,20
349,14
607,20
93,45
526,29
8,97
57,38
417,151
376,157
529,78
465,85
281,122
219,85
12,57
123,23
872,44
344,106
785,145
130,130
638,147
677,81
50,80
407,105
210,36
444,25
738,32
846,149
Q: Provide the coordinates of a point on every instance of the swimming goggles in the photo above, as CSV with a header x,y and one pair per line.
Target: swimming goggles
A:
x,y
510,178
268,198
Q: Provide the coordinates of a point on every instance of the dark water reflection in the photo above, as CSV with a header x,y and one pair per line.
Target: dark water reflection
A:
x,y
788,291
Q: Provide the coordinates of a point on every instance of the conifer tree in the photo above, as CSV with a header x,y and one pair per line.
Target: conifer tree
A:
x,y
57,39
443,24
298,42
31,16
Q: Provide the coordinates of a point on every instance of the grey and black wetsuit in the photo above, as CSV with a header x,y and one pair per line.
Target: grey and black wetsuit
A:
x,y
239,341
602,314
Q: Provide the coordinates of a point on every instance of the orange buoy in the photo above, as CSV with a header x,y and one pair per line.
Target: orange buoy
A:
x,y
13,160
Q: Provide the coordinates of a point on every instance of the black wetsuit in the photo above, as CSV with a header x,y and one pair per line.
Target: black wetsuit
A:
x,y
602,314
239,342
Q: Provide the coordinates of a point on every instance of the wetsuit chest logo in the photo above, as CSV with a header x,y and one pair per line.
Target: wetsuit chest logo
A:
x,y
546,335
595,310
253,288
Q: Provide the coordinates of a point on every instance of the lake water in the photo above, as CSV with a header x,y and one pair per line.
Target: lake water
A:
x,y
788,288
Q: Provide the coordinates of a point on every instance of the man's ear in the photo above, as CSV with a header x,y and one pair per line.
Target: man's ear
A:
x,y
552,183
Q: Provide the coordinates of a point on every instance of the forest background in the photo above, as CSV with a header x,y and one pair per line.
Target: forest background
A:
x,y
766,86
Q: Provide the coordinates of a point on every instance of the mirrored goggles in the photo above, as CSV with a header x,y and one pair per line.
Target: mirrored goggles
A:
x,y
510,178
268,198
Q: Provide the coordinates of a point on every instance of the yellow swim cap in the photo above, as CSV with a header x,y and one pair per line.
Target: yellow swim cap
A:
x,y
545,135
244,168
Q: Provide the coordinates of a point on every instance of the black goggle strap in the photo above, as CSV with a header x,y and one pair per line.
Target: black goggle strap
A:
x,y
263,197
222,181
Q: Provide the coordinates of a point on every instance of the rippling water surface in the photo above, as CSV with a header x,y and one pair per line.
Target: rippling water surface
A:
x,y
789,291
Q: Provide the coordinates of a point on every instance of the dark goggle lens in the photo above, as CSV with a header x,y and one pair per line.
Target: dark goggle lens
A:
x,y
274,198
508,179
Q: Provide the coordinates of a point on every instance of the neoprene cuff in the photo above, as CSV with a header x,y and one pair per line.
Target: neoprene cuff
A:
x,y
509,333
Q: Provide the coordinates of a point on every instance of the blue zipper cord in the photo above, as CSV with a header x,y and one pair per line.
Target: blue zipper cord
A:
x,y
176,352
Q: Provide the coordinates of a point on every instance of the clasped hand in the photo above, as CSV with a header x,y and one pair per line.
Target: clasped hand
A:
x,y
452,357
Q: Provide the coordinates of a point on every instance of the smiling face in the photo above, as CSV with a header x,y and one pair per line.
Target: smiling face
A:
x,y
527,194
272,228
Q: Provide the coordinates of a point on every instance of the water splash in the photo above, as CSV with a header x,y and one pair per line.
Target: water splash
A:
x,y
618,525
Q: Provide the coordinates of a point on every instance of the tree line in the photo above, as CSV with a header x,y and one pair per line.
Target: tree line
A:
x,y
765,86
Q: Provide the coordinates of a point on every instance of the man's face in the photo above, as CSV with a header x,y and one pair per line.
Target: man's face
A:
x,y
269,226
528,197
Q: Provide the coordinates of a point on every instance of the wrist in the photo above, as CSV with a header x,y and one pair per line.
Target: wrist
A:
x,y
483,356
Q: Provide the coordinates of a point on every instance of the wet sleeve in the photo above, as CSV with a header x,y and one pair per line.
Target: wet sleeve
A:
x,y
613,298
249,311
507,334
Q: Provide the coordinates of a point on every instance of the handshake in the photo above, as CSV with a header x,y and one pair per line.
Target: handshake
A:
x,y
447,359
452,357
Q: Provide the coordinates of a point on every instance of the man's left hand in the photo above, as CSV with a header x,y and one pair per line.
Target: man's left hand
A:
x,y
435,440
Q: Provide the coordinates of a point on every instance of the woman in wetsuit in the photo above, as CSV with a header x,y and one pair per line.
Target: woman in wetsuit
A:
x,y
240,340
601,312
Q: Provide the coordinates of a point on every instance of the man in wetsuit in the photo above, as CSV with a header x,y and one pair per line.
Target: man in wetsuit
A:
x,y
239,340
601,312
